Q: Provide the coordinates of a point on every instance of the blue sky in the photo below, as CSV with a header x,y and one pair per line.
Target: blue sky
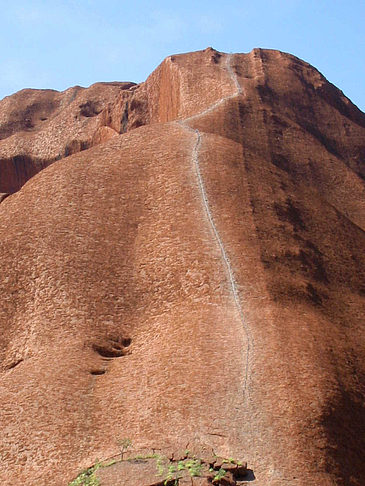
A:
x,y
58,44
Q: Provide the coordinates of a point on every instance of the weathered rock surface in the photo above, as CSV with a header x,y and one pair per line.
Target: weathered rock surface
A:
x,y
38,127
198,280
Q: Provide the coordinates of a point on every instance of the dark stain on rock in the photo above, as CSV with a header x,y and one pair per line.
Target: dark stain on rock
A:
x,y
290,213
90,109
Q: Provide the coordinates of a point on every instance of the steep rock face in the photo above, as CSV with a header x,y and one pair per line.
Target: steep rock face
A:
x,y
198,281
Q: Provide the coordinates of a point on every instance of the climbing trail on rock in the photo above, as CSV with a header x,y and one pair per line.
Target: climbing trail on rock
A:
x,y
204,196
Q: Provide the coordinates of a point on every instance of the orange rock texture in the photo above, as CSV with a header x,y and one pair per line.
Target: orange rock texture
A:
x,y
186,272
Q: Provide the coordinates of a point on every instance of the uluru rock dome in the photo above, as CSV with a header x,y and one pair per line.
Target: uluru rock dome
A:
x,y
182,268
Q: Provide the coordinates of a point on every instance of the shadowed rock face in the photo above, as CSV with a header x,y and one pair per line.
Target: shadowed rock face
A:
x,y
188,274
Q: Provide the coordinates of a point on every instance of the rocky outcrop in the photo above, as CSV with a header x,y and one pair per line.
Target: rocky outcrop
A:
x,y
38,127
195,276
156,469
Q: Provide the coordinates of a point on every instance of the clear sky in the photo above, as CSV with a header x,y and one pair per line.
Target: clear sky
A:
x,y
58,44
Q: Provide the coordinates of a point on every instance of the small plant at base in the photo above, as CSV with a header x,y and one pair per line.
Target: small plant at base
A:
x,y
171,476
144,456
220,475
110,463
233,461
180,465
171,469
124,445
193,466
87,477
160,467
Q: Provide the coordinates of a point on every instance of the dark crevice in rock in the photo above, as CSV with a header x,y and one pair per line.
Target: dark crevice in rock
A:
x,y
112,348
76,146
16,171
108,351
124,121
126,342
281,162
313,294
14,364
90,109
215,57
97,372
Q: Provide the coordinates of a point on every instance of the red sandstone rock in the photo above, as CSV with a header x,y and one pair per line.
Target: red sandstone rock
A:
x,y
226,480
122,314
139,472
38,127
